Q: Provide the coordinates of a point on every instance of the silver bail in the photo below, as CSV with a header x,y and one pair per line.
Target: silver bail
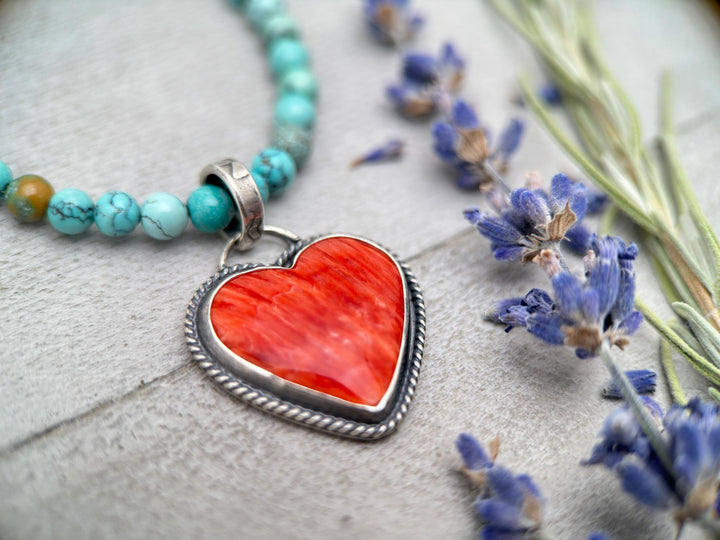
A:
x,y
235,178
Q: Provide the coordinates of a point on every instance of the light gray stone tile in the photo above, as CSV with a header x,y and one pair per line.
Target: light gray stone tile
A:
x,y
181,458
135,98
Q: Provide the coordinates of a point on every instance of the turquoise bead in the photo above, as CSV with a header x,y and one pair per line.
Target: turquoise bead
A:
x,y
5,178
71,211
116,214
300,81
164,216
287,55
211,208
259,12
262,186
281,26
294,140
276,167
295,109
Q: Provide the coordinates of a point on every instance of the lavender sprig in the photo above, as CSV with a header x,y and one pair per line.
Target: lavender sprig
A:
x,y
391,22
582,314
687,480
464,143
509,506
427,81
547,92
643,381
392,149
654,192
533,221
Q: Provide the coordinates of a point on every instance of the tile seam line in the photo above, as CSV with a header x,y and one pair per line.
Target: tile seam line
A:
x,y
450,240
682,128
13,448
110,402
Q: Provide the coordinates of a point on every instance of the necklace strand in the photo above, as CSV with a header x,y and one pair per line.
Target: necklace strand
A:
x,y
164,216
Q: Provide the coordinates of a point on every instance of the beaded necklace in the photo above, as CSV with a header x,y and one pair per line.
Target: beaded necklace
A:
x,y
331,334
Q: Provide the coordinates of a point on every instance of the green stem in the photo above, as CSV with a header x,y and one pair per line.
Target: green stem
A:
x,y
682,183
676,391
633,400
670,284
707,369
608,219
618,197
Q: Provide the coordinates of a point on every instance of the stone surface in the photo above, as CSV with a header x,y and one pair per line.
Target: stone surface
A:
x,y
332,323
108,429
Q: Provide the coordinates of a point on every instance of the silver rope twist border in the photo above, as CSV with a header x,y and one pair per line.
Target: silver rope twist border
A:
x,y
302,415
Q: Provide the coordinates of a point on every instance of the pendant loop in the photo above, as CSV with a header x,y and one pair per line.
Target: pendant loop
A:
x,y
290,237
246,226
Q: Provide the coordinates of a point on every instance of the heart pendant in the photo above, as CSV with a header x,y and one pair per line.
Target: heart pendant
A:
x,y
331,335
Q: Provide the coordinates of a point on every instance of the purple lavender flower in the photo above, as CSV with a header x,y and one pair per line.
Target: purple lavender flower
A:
x,y
596,200
412,99
582,314
534,221
427,81
392,149
391,21
643,380
510,506
420,68
688,483
509,142
451,68
515,311
547,92
462,142
550,94
622,436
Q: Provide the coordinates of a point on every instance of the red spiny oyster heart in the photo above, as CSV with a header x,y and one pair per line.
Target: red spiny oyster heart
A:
x,y
333,323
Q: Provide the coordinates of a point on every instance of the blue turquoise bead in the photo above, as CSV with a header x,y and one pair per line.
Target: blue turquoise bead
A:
x,y
294,140
164,216
5,178
276,167
71,211
287,55
281,26
262,186
259,12
116,214
295,109
300,81
211,208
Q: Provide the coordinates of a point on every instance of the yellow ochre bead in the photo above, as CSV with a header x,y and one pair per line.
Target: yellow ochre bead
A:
x,y
27,197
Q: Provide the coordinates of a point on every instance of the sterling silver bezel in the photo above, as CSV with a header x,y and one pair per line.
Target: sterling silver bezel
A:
x,y
264,390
